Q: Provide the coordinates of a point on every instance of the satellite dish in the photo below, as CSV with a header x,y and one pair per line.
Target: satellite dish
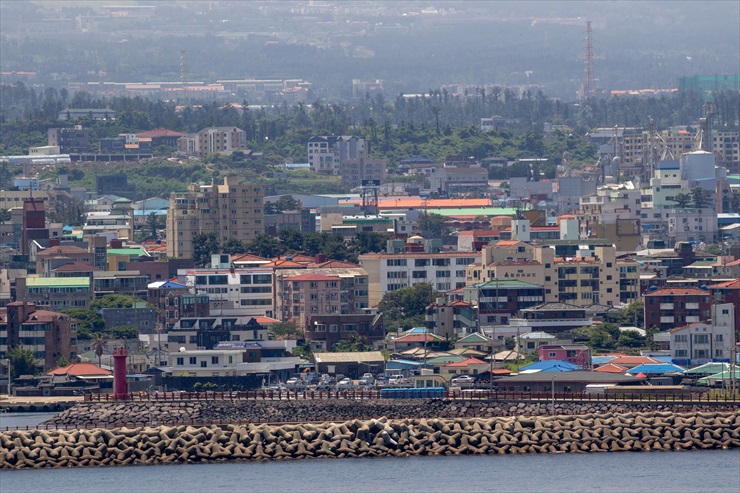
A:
x,y
182,349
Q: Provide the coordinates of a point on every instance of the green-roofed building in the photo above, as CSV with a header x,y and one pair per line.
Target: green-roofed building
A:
x,y
55,293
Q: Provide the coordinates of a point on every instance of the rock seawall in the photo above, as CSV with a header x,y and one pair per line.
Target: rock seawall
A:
x,y
370,438
111,414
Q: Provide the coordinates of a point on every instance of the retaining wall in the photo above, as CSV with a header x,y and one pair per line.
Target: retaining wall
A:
x,y
370,438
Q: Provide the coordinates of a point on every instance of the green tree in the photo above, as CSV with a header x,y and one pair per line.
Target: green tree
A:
x,y
650,338
113,301
353,343
282,204
735,202
153,224
61,362
682,200
285,330
700,197
22,362
233,246
89,322
265,246
369,242
433,225
291,238
98,342
404,308
204,245
124,332
713,249
631,339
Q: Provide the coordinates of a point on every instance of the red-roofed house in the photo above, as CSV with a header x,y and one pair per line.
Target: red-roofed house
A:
x,y
84,370
413,340
668,308
470,366
161,137
633,361
612,368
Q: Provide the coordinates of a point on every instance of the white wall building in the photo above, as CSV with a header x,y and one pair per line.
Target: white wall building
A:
x,y
702,342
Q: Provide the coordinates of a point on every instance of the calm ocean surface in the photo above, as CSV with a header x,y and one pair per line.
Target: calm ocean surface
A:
x,y
674,472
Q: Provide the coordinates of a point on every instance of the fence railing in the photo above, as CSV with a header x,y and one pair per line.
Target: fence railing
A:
x,y
478,394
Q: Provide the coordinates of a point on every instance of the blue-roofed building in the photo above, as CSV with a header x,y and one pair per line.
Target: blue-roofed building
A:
x,y
549,366
404,366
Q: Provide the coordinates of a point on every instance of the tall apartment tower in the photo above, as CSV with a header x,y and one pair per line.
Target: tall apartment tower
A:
x,y
231,210
34,222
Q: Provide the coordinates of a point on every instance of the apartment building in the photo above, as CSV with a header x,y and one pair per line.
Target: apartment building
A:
x,y
451,318
613,213
347,156
388,272
629,280
585,280
728,292
668,308
49,334
206,332
55,293
315,292
323,331
232,291
498,300
213,140
704,342
230,210
75,139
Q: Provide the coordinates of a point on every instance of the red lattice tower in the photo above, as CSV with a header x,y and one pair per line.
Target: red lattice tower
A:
x,y
589,84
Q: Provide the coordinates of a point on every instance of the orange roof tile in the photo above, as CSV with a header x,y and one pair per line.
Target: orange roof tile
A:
x,y
611,368
728,284
665,291
80,369
466,362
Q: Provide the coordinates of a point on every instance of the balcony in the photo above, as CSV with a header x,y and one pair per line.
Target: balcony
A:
x,y
667,320
666,306
690,320
692,306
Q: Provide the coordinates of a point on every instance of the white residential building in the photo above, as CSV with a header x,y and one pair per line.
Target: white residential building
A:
x,y
388,272
243,292
702,342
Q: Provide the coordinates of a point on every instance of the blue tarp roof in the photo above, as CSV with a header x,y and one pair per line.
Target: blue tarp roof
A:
x,y
550,366
656,368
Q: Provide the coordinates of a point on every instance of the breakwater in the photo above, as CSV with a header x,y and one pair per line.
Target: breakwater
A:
x,y
116,414
370,438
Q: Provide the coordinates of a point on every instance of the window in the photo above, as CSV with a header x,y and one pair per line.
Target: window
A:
x,y
718,338
204,364
701,339
419,274
681,353
214,360
551,354
396,262
193,360
332,327
180,361
718,353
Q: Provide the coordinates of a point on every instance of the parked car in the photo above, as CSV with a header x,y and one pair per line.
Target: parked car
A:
x,y
399,381
295,384
463,379
345,384
367,380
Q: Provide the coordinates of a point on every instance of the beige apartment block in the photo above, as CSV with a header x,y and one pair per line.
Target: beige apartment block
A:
x,y
231,210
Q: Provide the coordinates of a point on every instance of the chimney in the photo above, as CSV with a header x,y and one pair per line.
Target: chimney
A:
x,y
320,258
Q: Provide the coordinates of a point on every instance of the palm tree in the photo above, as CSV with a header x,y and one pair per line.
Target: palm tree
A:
x,y
97,343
